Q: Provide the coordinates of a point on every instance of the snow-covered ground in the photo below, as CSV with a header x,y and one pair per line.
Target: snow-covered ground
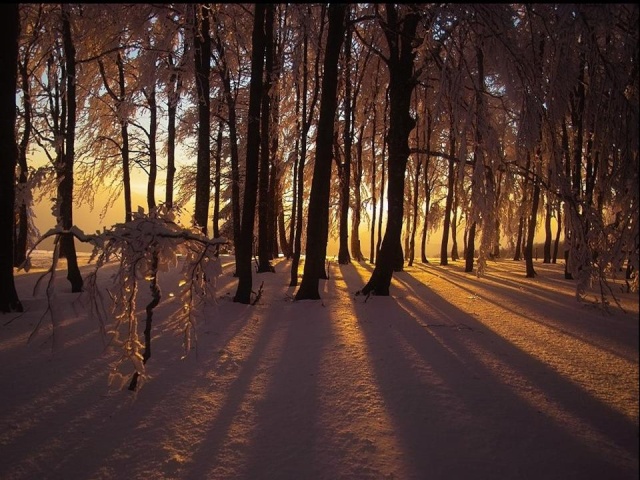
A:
x,y
452,377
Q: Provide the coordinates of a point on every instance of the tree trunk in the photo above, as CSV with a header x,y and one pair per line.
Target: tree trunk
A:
x,y
202,55
230,102
9,301
556,243
454,229
245,244
22,228
264,252
372,251
153,155
470,249
356,251
65,170
318,229
531,229
547,233
217,177
345,172
414,224
401,84
450,192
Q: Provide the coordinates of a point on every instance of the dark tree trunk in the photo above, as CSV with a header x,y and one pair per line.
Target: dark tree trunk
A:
x,y
230,101
306,125
444,246
414,223
356,213
245,244
264,231
425,227
521,223
217,177
65,187
556,243
318,229
153,155
202,55
372,251
401,84
285,245
172,106
531,229
22,230
345,172
470,249
547,233
9,301
517,256
454,230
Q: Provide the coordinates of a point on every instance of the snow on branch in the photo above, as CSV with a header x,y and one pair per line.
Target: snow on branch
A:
x,y
143,248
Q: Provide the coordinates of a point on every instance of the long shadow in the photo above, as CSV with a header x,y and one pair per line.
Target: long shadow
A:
x,y
459,418
109,422
597,331
285,440
220,444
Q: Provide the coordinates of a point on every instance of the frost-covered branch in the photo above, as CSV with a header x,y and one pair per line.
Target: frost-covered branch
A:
x,y
144,247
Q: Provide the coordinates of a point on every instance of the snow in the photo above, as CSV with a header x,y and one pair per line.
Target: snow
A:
x,y
451,377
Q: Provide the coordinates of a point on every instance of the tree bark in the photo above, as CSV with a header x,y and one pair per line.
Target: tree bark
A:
x,y
245,244
401,84
65,170
202,56
470,249
9,301
264,230
318,230
345,171
444,246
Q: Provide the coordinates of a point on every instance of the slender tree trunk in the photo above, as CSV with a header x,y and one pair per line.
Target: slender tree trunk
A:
x,y
556,243
264,252
202,47
230,102
306,125
9,301
372,250
245,245
547,233
454,229
345,172
217,177
172,106
401,85
528,251
22,230
153,154
414,224
470,249
356,251
65,186
317,230
450,192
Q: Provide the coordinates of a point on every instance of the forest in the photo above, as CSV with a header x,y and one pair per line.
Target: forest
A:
x,y
274,127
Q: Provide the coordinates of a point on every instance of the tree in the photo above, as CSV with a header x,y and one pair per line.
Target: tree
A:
x,y
202,57
317,230
64,166
264,224
400,35
245,245
9,301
